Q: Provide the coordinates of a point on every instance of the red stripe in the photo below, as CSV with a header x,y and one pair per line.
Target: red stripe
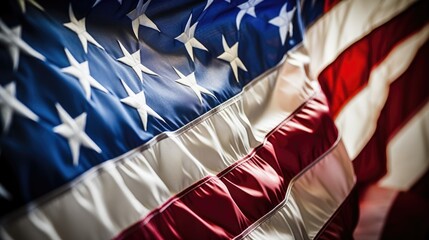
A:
x,y
408,218
225,205
329,4
412,206
421,187
344,221
408,94
343,78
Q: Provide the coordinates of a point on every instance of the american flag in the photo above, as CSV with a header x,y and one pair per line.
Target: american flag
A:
x,y
370,58
203,119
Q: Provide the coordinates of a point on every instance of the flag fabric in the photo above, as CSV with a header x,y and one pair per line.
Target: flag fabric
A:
x,y
370,58
165,119
190,119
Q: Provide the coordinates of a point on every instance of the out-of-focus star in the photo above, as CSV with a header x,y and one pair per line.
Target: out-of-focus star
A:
x,y
4,193
11,38
9,104
209,2
23,7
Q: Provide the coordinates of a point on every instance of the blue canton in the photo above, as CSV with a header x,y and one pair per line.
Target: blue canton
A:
x,y
84,82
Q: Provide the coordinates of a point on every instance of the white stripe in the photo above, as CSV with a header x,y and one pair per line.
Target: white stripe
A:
x,y
346,23
357,121
408,153
314,197
123,191
374,207
408,160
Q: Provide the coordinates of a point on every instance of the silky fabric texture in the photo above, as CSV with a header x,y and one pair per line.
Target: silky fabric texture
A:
x,y
93,197
225,205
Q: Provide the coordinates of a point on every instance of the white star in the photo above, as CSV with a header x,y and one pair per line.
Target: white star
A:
x,y
78,26
23,7
139,17
231,55
81,72
10,104
98,1
191,82
74,131
4,193
209,2
138,101
228,1
133,60
283,21
11,38
246,8
187,38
